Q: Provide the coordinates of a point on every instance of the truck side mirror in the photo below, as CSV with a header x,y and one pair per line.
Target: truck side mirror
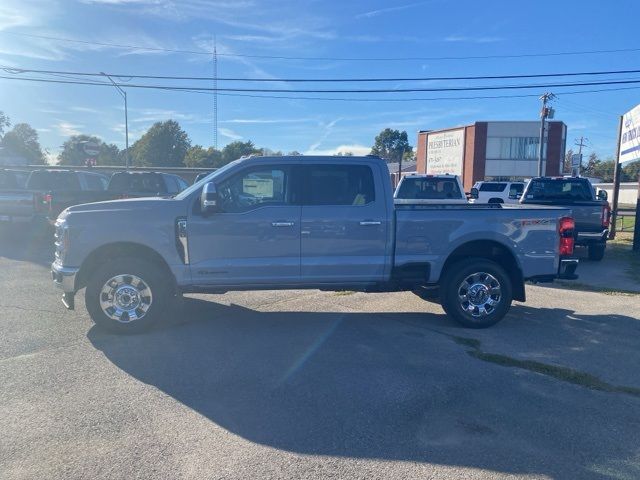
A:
x,y
474,193
603,195
209,198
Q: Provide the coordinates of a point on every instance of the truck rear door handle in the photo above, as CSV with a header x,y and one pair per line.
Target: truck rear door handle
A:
x,y
282,224
370,222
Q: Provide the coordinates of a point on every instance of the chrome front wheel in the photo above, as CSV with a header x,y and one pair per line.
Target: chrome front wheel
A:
x,y
125,298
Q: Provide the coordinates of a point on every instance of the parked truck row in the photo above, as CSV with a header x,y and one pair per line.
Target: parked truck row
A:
x,y
305,223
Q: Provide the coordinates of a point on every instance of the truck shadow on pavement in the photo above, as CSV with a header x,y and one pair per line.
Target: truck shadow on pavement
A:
x,y
394,386
20,242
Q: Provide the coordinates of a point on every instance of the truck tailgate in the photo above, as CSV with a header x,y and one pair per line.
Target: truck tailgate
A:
x,y
16,205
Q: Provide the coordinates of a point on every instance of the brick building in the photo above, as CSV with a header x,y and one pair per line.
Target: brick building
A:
x,y
491,150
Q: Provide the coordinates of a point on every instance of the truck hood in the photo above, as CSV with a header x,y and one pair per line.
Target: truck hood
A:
x,y
140,208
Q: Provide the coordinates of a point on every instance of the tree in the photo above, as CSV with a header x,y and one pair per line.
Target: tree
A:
x,y
566,166
22,140
237,149
631,171
389,144
73,150
109,155
592,162
198,157
165,144
4,123
294,153
604,170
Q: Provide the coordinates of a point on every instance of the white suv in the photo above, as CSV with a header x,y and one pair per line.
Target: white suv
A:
x,y
496,192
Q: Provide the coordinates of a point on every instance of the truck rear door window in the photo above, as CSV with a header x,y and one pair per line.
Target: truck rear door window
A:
x,y
338,185
429,189
559,190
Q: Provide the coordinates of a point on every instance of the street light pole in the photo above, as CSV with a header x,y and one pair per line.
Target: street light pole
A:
x,y
126,118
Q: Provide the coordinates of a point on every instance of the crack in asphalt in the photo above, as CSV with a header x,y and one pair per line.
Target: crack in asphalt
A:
x,y
564,374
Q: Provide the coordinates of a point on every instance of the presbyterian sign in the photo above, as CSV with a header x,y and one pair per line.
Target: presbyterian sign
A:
x,y
445,152
630,135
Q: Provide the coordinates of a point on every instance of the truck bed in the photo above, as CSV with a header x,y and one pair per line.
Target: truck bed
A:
x,y
531,232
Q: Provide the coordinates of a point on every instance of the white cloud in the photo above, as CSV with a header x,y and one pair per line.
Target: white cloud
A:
x,y
327,131
466,39
84,109
356,149
375,13
228,133
43,130
267,120
67,129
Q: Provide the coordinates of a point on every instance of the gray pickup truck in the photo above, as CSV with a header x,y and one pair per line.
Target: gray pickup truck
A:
x,y
303,223
590,212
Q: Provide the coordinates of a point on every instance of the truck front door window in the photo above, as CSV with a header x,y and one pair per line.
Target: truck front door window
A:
x,y
258,187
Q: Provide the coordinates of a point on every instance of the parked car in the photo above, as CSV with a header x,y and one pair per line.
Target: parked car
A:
x,y
433,189
312,222
47,192
591,212
496,192
145,184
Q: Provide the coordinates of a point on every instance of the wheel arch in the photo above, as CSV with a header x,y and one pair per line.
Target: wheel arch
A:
x,y
494,251
114,250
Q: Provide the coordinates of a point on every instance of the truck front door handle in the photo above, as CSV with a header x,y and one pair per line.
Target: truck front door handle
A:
x,y
370,222
282,224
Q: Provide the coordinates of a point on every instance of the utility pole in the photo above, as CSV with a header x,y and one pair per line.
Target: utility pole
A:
x,y
215,93
126,118
617,174
544,113
580,145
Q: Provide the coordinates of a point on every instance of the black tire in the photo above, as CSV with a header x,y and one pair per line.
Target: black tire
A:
x,y
596,252
452,283
495,200
154,279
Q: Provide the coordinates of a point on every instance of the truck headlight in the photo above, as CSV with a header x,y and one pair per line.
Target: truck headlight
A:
x,y
61,241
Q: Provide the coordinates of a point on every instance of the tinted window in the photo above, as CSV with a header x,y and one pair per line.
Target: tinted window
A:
x,y
94,182
43,180
9,179
172,184
182,184
429,188
516,188
150,183
492,187
253,188
559,190
338,185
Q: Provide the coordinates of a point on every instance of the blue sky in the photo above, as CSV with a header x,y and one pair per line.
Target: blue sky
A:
x,y
307,28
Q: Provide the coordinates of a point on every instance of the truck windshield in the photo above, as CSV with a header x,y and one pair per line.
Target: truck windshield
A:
x,y
429,189
559,190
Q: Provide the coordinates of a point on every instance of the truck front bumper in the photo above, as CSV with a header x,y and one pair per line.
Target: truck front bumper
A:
x,y
65,278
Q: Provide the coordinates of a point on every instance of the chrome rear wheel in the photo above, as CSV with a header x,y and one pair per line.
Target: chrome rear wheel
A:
x,y
479,294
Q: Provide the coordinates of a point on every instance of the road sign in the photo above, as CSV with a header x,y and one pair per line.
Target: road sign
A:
x,y
576,160
92,149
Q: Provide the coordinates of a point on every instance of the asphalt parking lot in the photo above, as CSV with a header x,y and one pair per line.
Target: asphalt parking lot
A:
x,y
308,384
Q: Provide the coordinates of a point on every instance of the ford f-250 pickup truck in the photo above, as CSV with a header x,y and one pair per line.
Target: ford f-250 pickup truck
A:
x,y
303,222
590,211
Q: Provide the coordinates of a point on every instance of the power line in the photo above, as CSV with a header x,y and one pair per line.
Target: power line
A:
x,y
14,70
291,97
381,90
326,58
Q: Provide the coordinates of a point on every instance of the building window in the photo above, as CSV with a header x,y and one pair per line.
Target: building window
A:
x,y
513,148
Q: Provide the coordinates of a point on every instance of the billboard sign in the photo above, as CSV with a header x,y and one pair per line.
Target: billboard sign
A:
x,y
445,152
630,136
